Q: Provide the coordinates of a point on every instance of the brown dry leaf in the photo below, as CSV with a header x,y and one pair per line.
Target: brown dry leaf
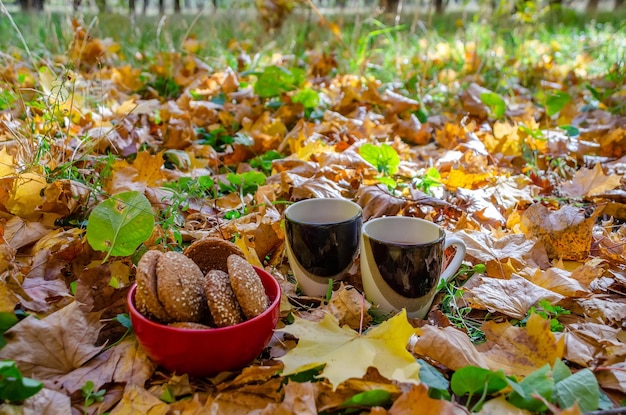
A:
x,y
189,406
520,350
565,233
137,400
559,281
126,363
47,401
247,398
19,233
417,402
590,182
448,346
8,299
44,296
603,310
479,203
499,406
516,350
501,256
349,307
591,344
512,297
376,201
54,345
613,377
64,197
589,271
299,399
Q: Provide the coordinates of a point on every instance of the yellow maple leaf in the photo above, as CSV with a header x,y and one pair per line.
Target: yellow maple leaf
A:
x,y
347,354
6,163
149,168
457,178
505,140
25,197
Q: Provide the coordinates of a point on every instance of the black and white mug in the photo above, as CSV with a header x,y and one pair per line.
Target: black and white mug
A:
x,y
322,241
402,263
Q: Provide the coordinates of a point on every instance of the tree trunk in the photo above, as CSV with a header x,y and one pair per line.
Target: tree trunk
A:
x,y
390,6
177,6
161,7
592,5
439,6
619,4
30,5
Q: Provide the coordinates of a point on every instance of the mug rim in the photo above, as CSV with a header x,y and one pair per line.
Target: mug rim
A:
x,y
440,239
314,200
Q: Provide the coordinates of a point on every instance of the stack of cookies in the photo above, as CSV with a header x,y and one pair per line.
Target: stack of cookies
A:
x,y
209,285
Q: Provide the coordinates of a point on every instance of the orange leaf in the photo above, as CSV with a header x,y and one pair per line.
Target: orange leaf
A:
x,y
417,402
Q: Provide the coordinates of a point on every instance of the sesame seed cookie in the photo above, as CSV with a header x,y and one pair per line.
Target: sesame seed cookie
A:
x,y
222,302
247,286
212,253
180,285
146,296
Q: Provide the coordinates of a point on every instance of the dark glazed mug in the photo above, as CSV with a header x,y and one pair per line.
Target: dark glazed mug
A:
x,y
322,240
402,263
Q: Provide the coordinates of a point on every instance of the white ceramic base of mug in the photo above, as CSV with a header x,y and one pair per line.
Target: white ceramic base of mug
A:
x,y
310,285
382,307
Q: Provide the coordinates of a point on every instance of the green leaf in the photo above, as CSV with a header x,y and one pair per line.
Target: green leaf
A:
x,y
307,97
431,376
560,371
370,398
120,224
274,81
167,396
476,380
383,157
14,387
539,382
124,320
495,102
570,130
388,181
582,388
556,101
7,320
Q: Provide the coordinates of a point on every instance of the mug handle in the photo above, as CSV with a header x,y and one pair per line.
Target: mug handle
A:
x,y
456,261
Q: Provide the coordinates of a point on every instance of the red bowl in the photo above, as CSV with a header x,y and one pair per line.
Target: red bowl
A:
x,y
211,351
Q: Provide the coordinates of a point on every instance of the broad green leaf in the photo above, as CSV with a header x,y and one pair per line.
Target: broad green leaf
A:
x,y
431,376
556,101
375,397
14,387
388,181
383,157
560,371
582,388
539,382
274,81
474,380
307,97
570,130
495,102
120,224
